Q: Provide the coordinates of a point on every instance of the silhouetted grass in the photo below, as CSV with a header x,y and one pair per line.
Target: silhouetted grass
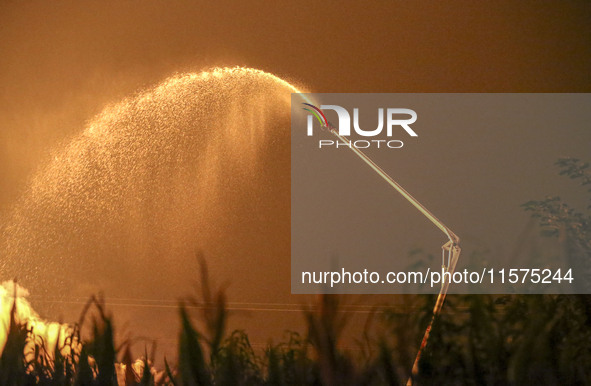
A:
x,y
479,339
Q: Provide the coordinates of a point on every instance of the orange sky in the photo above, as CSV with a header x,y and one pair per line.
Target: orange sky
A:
x,y
62,62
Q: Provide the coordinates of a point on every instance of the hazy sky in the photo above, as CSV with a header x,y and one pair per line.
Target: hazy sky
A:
x,y
62,62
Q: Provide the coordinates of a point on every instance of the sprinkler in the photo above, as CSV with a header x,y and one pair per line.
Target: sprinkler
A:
x,y
450,250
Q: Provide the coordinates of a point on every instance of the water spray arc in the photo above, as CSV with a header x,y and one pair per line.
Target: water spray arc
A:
x,y
123,205
450,250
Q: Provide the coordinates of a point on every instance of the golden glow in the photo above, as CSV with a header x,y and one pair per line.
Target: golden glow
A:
x,y
149,178
51,333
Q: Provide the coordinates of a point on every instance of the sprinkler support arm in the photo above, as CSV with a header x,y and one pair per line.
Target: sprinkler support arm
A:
x,y
453,238
451,247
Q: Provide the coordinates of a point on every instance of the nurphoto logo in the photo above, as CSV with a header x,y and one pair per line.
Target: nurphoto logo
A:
x,y
395,119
